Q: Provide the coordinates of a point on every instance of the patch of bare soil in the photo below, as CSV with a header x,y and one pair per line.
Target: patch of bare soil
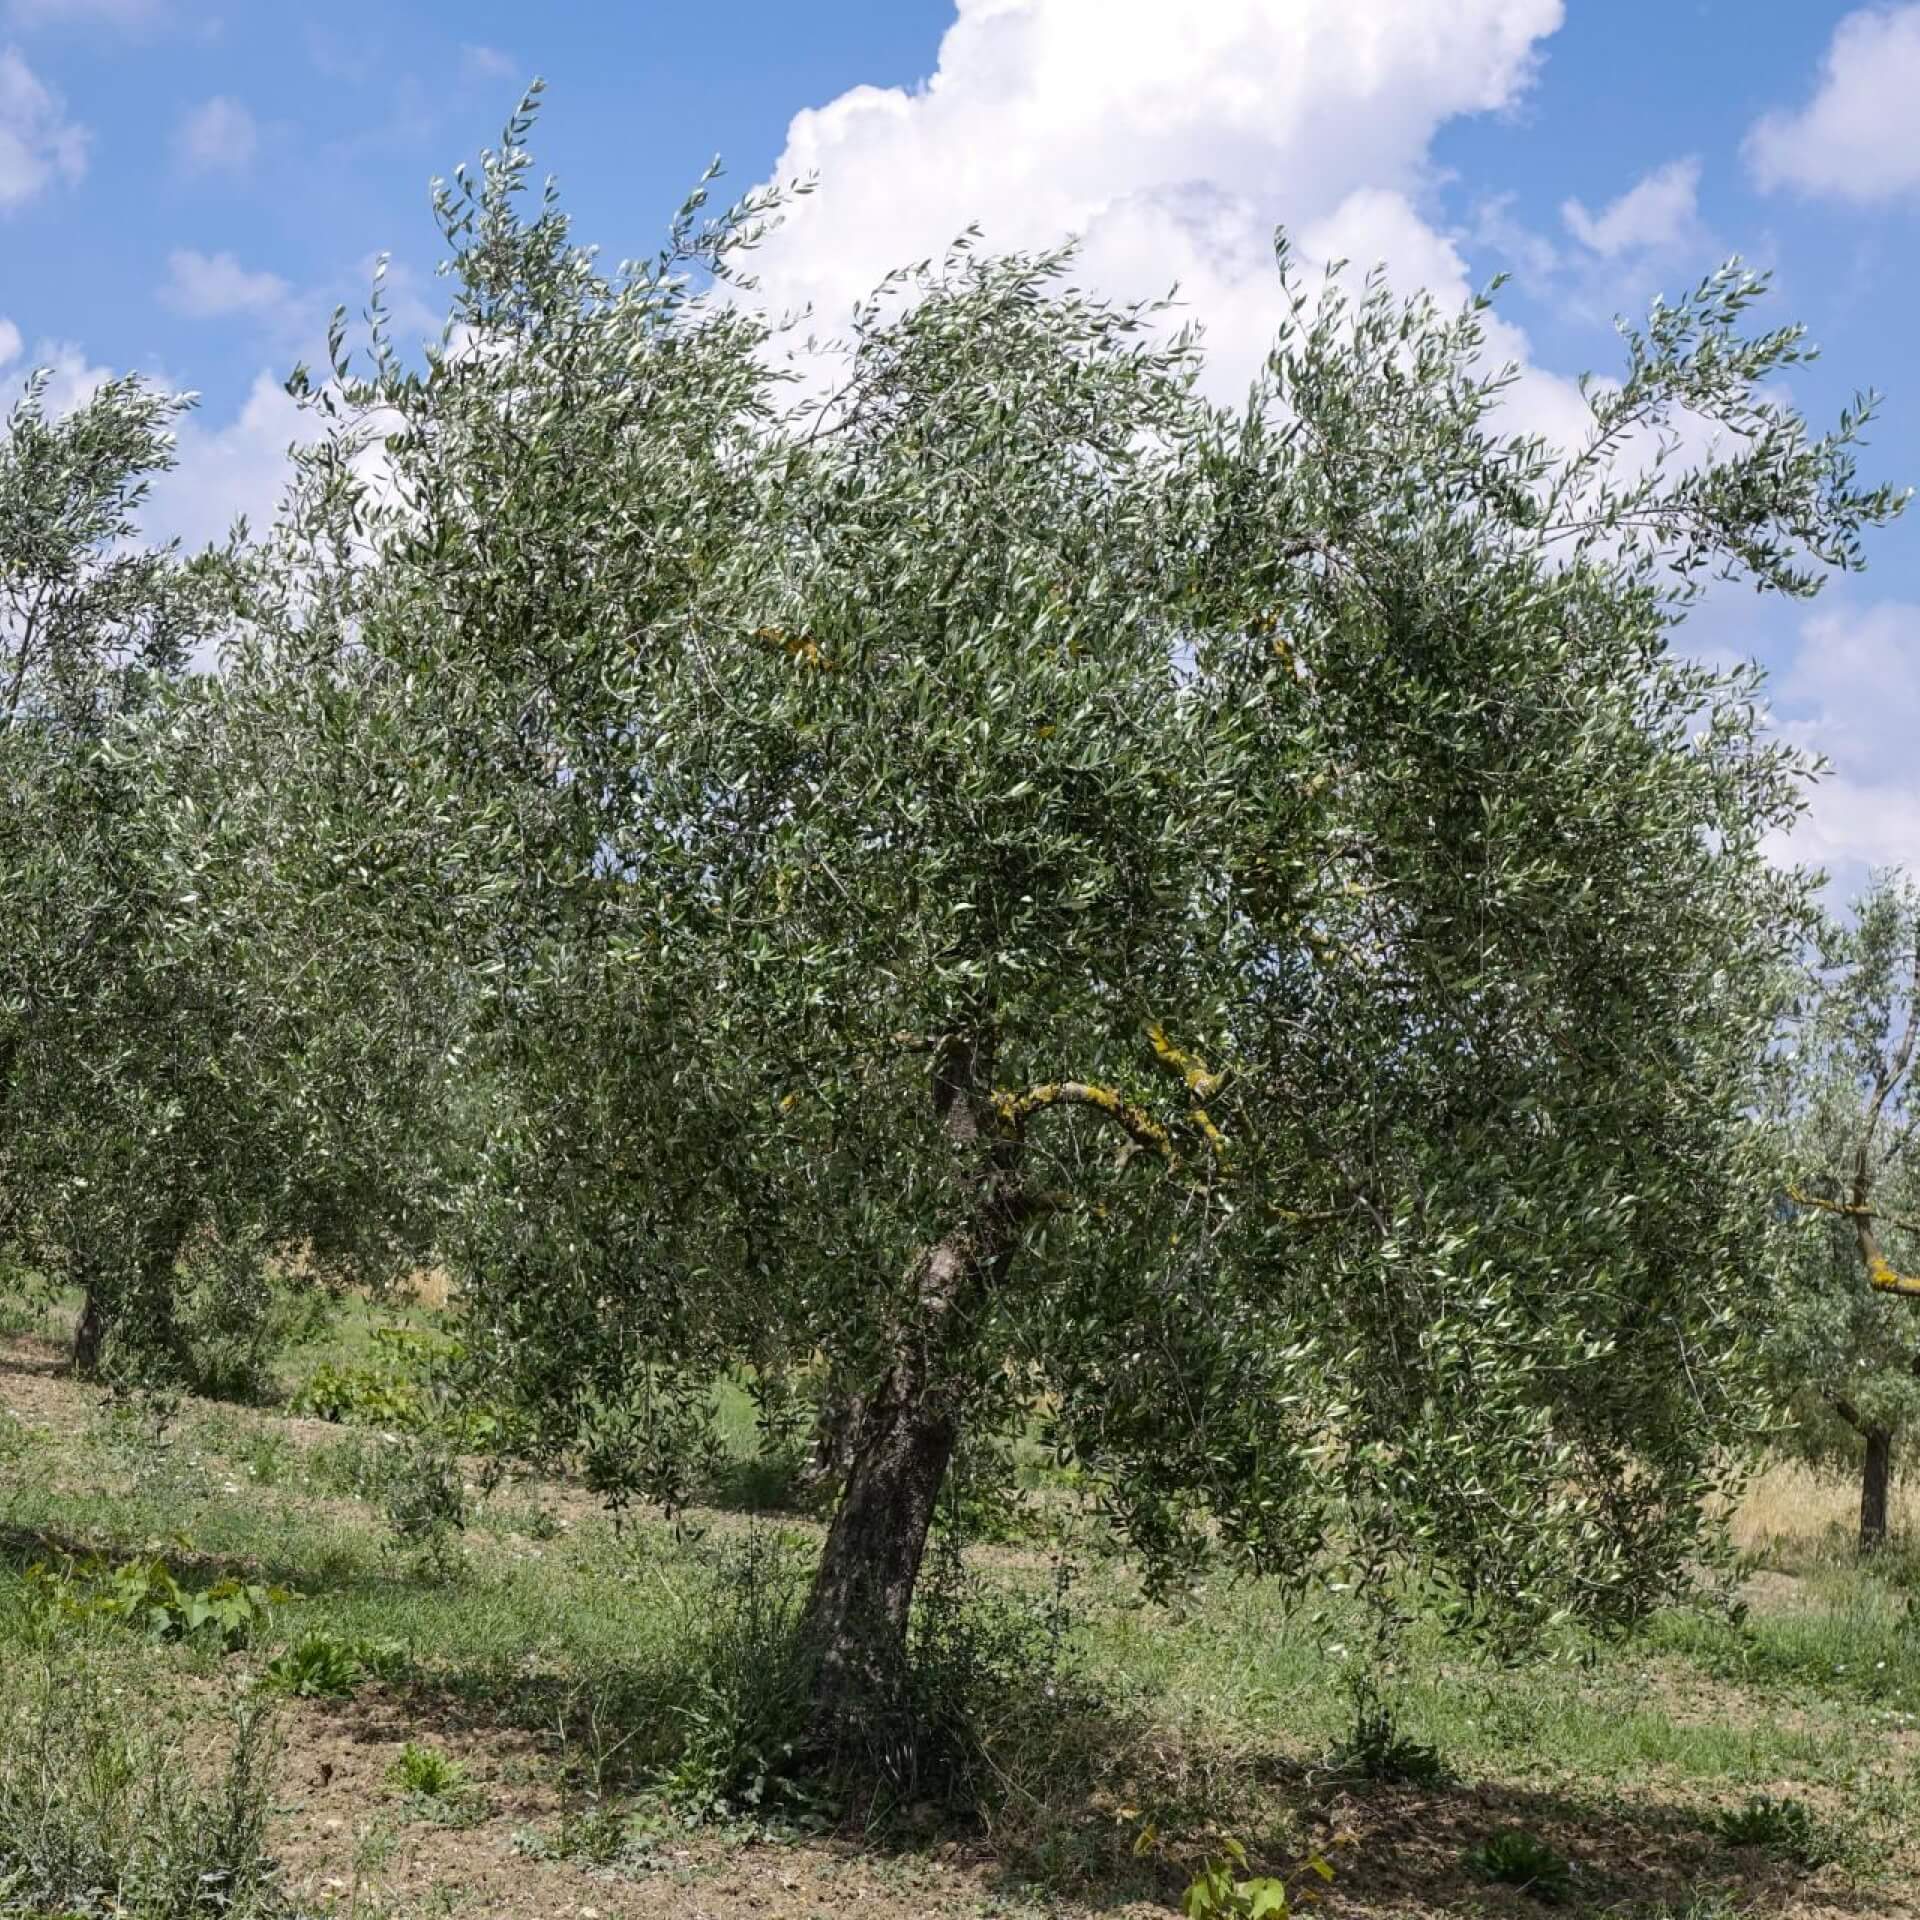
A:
x,y
350,1838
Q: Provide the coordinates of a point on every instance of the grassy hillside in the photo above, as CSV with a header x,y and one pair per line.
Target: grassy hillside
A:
x,y
543,1712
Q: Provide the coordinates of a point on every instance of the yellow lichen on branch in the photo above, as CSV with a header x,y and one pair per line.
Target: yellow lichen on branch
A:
x,y
1015,1109
801,648
1882,1275
1200,1083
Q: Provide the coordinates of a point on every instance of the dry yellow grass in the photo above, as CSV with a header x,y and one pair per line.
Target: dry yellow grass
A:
x,y
1791,1505
427,1287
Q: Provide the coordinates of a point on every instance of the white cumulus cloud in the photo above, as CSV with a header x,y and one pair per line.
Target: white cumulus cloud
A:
x,y
218,136
1851,691
70,377
1172,140
230,470
1854,139
38,143
1660,213
204,286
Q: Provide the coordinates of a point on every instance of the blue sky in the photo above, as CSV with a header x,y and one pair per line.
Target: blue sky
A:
x,y
187,188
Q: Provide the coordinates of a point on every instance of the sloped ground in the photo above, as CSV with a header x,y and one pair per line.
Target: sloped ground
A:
x,y
545,1654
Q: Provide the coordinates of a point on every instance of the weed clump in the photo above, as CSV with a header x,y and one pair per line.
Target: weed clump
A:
x,y
1521,1859
1784,1826
56,1598
99,1812
738,1724
1376,1748
435,1785
322,1666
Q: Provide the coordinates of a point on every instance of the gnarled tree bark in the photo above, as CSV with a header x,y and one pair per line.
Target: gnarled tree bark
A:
x,y
910,1424
89,1335
855,1623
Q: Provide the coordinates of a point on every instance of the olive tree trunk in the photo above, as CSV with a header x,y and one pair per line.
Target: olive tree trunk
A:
x,y
856,1618
150,1310
907,1427
89,1335
1876,1481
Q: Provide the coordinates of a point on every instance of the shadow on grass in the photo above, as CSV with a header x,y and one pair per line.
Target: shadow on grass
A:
x,y
1067,1794
1402,1851
36,1356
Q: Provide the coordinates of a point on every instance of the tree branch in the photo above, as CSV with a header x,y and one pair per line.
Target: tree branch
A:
x,y
1201,1085
1015,1109
1848,1211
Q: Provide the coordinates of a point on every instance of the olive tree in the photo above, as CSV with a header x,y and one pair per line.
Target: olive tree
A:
x,y
183,1073
1233,927
93,625
1845,1339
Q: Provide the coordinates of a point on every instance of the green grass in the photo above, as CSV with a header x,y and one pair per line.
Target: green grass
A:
x,y
616,1652
1242,1665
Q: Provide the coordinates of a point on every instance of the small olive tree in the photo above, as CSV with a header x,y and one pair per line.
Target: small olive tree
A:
x,y
184,1074
93,627
986,869
1846,1341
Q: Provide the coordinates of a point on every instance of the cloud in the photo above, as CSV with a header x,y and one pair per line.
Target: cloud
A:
x,y
226,471
479,63
1613,261
205,285
1853,140
1851,691
1173,140
38,144
70,376
218,136
1659,214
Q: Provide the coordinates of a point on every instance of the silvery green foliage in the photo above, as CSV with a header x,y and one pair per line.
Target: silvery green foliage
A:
x,y
179,1074
1843,1104
93,628
1234,928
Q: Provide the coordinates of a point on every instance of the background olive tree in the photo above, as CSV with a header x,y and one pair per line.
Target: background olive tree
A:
x,y
194,1092
93,629
1023,889
1846,1341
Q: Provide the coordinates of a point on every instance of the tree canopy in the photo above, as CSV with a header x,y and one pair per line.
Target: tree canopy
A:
x,y
185,1050
989,877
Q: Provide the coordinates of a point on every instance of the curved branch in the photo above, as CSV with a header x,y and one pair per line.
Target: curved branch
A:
x,y
1882,1275
1015,1109
1201,1084
1190,1067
